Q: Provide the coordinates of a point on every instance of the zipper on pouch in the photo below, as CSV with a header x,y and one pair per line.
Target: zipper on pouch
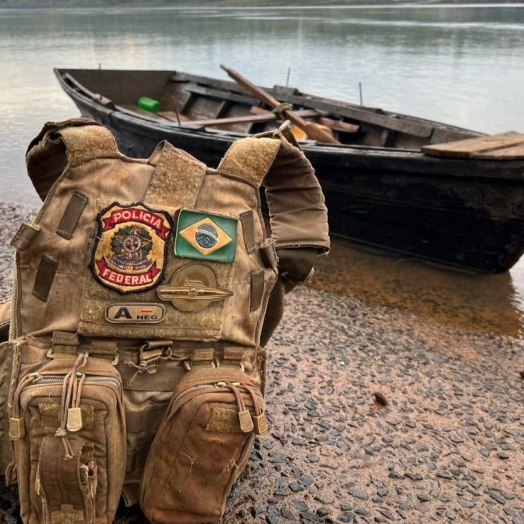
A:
x,y
74,414
247,421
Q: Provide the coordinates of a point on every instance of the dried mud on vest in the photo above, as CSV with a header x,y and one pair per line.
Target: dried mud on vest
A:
x,y
145,293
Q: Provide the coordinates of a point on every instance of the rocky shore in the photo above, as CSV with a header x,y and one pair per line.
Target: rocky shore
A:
x,y
376,415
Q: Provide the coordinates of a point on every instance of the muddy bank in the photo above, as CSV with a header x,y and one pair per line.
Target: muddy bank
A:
x,y
447,446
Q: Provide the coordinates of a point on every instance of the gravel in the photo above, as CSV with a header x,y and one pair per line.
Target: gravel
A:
x,y
376,415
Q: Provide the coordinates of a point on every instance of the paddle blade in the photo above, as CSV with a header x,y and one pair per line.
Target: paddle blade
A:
x,y
320,133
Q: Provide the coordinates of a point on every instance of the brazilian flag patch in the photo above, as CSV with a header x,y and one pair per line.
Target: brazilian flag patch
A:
x,y
205,236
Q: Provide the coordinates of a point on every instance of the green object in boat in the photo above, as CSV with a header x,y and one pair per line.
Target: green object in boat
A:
x,y
149,104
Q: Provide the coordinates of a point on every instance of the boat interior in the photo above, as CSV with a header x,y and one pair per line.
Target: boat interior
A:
x,y
219,106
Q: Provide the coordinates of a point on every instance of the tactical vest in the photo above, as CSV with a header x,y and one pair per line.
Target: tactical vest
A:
x,y
145,293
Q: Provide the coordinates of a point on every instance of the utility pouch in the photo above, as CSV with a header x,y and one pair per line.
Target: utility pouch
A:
x,y
202,446
67,424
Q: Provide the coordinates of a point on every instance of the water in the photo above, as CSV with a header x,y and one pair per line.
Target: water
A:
x,y
460,65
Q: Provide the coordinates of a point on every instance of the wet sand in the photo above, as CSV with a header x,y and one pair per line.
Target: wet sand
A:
x,y
378,413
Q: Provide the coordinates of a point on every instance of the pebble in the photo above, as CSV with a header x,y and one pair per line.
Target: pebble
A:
x,y
287,513
358,493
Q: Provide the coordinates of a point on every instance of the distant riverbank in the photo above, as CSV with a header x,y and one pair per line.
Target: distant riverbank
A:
x,y
242,3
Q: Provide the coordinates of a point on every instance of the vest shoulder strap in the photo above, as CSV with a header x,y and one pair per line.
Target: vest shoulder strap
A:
x,y
66,144
294,196
250,158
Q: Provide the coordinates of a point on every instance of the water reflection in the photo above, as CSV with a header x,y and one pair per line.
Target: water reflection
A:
x,y
483,303
461,65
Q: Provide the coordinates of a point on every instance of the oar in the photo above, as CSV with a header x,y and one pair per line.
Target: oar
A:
x,y
312,130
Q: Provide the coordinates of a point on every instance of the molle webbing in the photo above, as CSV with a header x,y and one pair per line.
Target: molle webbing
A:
x,y
66,144
63,485
44,277
248,229
73,211
257,290
64,343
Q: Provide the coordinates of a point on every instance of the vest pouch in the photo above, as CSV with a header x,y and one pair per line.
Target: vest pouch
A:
x,y
201,447
67,423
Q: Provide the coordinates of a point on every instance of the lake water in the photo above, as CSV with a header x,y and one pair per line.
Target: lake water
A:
x,y
460,65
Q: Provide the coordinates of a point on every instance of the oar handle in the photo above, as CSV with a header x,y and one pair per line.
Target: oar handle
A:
x,y
255,90
310,128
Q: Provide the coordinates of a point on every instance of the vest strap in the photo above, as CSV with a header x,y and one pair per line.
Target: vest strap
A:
x,y
24,236
104,349
294,197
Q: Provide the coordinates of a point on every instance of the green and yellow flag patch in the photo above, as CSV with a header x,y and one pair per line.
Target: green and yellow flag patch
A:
x,y
205,236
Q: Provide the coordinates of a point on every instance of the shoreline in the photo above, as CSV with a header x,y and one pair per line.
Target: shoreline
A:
x,y
448,445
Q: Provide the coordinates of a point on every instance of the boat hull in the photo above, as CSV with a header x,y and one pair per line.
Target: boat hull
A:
x,y
461,213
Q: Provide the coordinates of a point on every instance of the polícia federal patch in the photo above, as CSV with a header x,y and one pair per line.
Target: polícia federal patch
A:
x,y
131,248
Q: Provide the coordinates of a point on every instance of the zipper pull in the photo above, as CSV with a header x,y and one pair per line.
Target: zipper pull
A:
x,y
246,422
260,424
259,418
244,416
74,419
16,428
16,423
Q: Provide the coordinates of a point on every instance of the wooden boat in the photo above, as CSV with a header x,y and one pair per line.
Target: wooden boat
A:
x,y
393,182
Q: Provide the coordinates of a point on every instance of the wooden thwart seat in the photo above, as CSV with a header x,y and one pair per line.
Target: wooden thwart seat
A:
x,y
334,125
504,146
245,119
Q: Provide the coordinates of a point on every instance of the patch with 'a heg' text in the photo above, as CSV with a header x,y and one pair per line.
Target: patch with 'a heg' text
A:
x,y
134,313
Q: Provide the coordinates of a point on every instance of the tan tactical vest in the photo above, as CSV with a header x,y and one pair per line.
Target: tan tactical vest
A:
x,y
145,293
